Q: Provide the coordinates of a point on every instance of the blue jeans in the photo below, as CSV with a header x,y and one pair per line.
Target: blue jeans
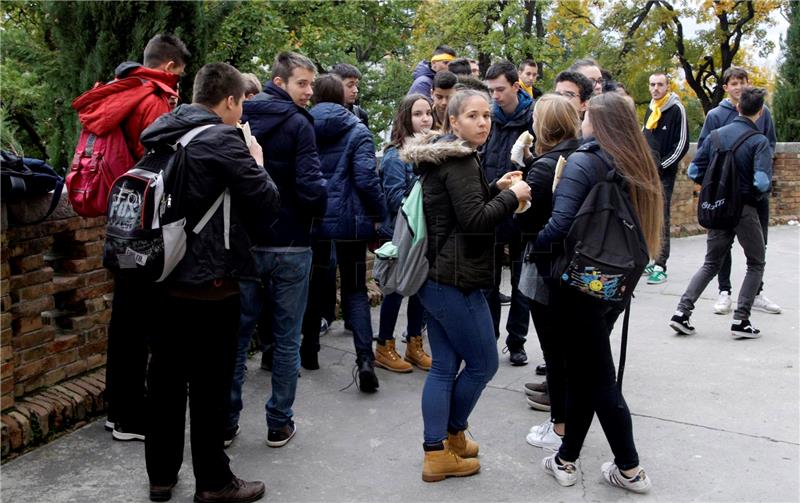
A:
x,y
285,281
390,308
459,330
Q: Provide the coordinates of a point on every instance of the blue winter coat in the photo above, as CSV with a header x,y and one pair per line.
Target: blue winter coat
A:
x,y
398,177
286,134
423,79
347,154
726,112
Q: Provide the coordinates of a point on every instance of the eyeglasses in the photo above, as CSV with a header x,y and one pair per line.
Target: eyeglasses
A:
x,y
566,94
598,81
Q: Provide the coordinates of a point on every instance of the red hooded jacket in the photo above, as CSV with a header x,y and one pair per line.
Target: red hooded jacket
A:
x,y
132,104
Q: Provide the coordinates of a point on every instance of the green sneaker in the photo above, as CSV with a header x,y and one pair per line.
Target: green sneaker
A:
x,y
648,270
658,276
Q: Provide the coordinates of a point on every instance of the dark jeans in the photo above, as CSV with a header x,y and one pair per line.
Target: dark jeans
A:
x,y
544,321
126,367
351,259
459,331
748,232
517,322
390,309
724,276
668,184
193,347
586,324
285,280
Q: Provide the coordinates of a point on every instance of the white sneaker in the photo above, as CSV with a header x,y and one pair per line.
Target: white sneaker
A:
x,y
538,427
565,473
723,304
762,303
638,484
545,437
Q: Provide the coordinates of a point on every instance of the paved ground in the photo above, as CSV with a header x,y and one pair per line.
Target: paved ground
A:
x,y
715,419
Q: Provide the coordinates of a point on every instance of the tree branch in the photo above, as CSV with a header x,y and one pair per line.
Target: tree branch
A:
x,y
640,17
578,15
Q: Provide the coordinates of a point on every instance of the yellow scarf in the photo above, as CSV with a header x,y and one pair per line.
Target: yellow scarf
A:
x,y
525,88
655,107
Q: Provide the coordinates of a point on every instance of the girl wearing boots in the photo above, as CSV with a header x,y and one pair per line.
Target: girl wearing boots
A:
x,y
612,139
461,211
414,115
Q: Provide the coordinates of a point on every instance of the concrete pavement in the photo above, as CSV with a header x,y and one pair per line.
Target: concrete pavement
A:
x,y
715,419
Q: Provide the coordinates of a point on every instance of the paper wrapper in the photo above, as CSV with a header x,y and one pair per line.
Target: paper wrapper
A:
x,y
559,170
248,136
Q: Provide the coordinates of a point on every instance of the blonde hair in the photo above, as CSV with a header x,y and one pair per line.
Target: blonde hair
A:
x,y
617,132
554,120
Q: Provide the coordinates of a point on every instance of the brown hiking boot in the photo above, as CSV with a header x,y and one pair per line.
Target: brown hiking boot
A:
x,y
445,463
461,445
237,490
416,354
386,357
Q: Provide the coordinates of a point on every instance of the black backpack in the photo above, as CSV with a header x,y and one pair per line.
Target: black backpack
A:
x,y
23,177
719,205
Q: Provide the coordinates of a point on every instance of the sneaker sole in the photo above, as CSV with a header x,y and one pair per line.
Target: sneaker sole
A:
x,y
744,335
681,329
513,364
441,476
281,443
649,282
722,311
536,405
109,426
393,369
126,437
765,310
530,392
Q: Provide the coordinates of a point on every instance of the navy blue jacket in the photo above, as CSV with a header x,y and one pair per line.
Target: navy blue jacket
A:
x,y
423,79
286,134
726,112
347,155
753,159
398,177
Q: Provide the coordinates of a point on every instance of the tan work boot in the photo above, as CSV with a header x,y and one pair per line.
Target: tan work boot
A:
x,y
386,357
416,354
445,463
461,445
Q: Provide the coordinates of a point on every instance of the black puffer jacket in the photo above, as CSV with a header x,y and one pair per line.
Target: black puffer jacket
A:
x,y
461,209
217,159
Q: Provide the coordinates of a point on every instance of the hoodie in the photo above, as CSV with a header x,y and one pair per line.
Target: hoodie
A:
x,y
726,112
217,159
347,156
423,79
461,210
286,133
670,138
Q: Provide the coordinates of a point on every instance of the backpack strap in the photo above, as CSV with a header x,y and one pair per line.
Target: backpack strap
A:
x,y
190,135
623,348
746,136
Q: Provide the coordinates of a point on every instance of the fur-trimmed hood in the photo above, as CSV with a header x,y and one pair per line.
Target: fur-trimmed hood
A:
x,y
432,148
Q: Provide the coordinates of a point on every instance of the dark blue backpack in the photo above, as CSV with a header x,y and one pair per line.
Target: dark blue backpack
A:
x,y
22,178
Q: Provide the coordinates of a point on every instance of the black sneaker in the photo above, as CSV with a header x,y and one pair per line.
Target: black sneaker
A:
x,y
126,434
517,356
162,492
505,300
281,436
541,370
532,388
367,380
230,435
742,329
680,323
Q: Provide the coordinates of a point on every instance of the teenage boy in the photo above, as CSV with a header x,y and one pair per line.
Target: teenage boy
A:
x,y
753,161
577,88
444,84
590,69
165,58
528,72
351,76
667,132
279,121
512,115
476,69
425,71
734,80
460,66
193,343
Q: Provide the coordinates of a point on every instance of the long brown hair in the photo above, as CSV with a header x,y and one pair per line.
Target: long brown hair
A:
x,y
616,130
402,127
554,120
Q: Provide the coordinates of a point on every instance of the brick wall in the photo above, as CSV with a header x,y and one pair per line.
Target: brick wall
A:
x,y
784,200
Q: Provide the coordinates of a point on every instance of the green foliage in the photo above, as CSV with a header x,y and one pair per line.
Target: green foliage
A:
x,y
786,103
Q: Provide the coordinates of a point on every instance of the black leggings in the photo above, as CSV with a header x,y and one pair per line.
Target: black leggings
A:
x,y
586,325
551,342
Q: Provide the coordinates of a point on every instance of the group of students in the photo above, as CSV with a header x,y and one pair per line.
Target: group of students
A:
x,y
315,201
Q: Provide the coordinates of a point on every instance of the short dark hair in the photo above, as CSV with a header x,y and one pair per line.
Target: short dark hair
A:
x,y
164,48
328,88
526,62
285,63
444,49
751,100
580,63
460,66
734,72
469,82
346,71
444,80
215,82
585,86
504,68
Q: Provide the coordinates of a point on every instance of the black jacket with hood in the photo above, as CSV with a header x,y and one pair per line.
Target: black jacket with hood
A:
x,y
217,159
461,210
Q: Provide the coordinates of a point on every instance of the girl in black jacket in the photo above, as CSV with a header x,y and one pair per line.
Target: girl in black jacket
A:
x,y
612,139
461,211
